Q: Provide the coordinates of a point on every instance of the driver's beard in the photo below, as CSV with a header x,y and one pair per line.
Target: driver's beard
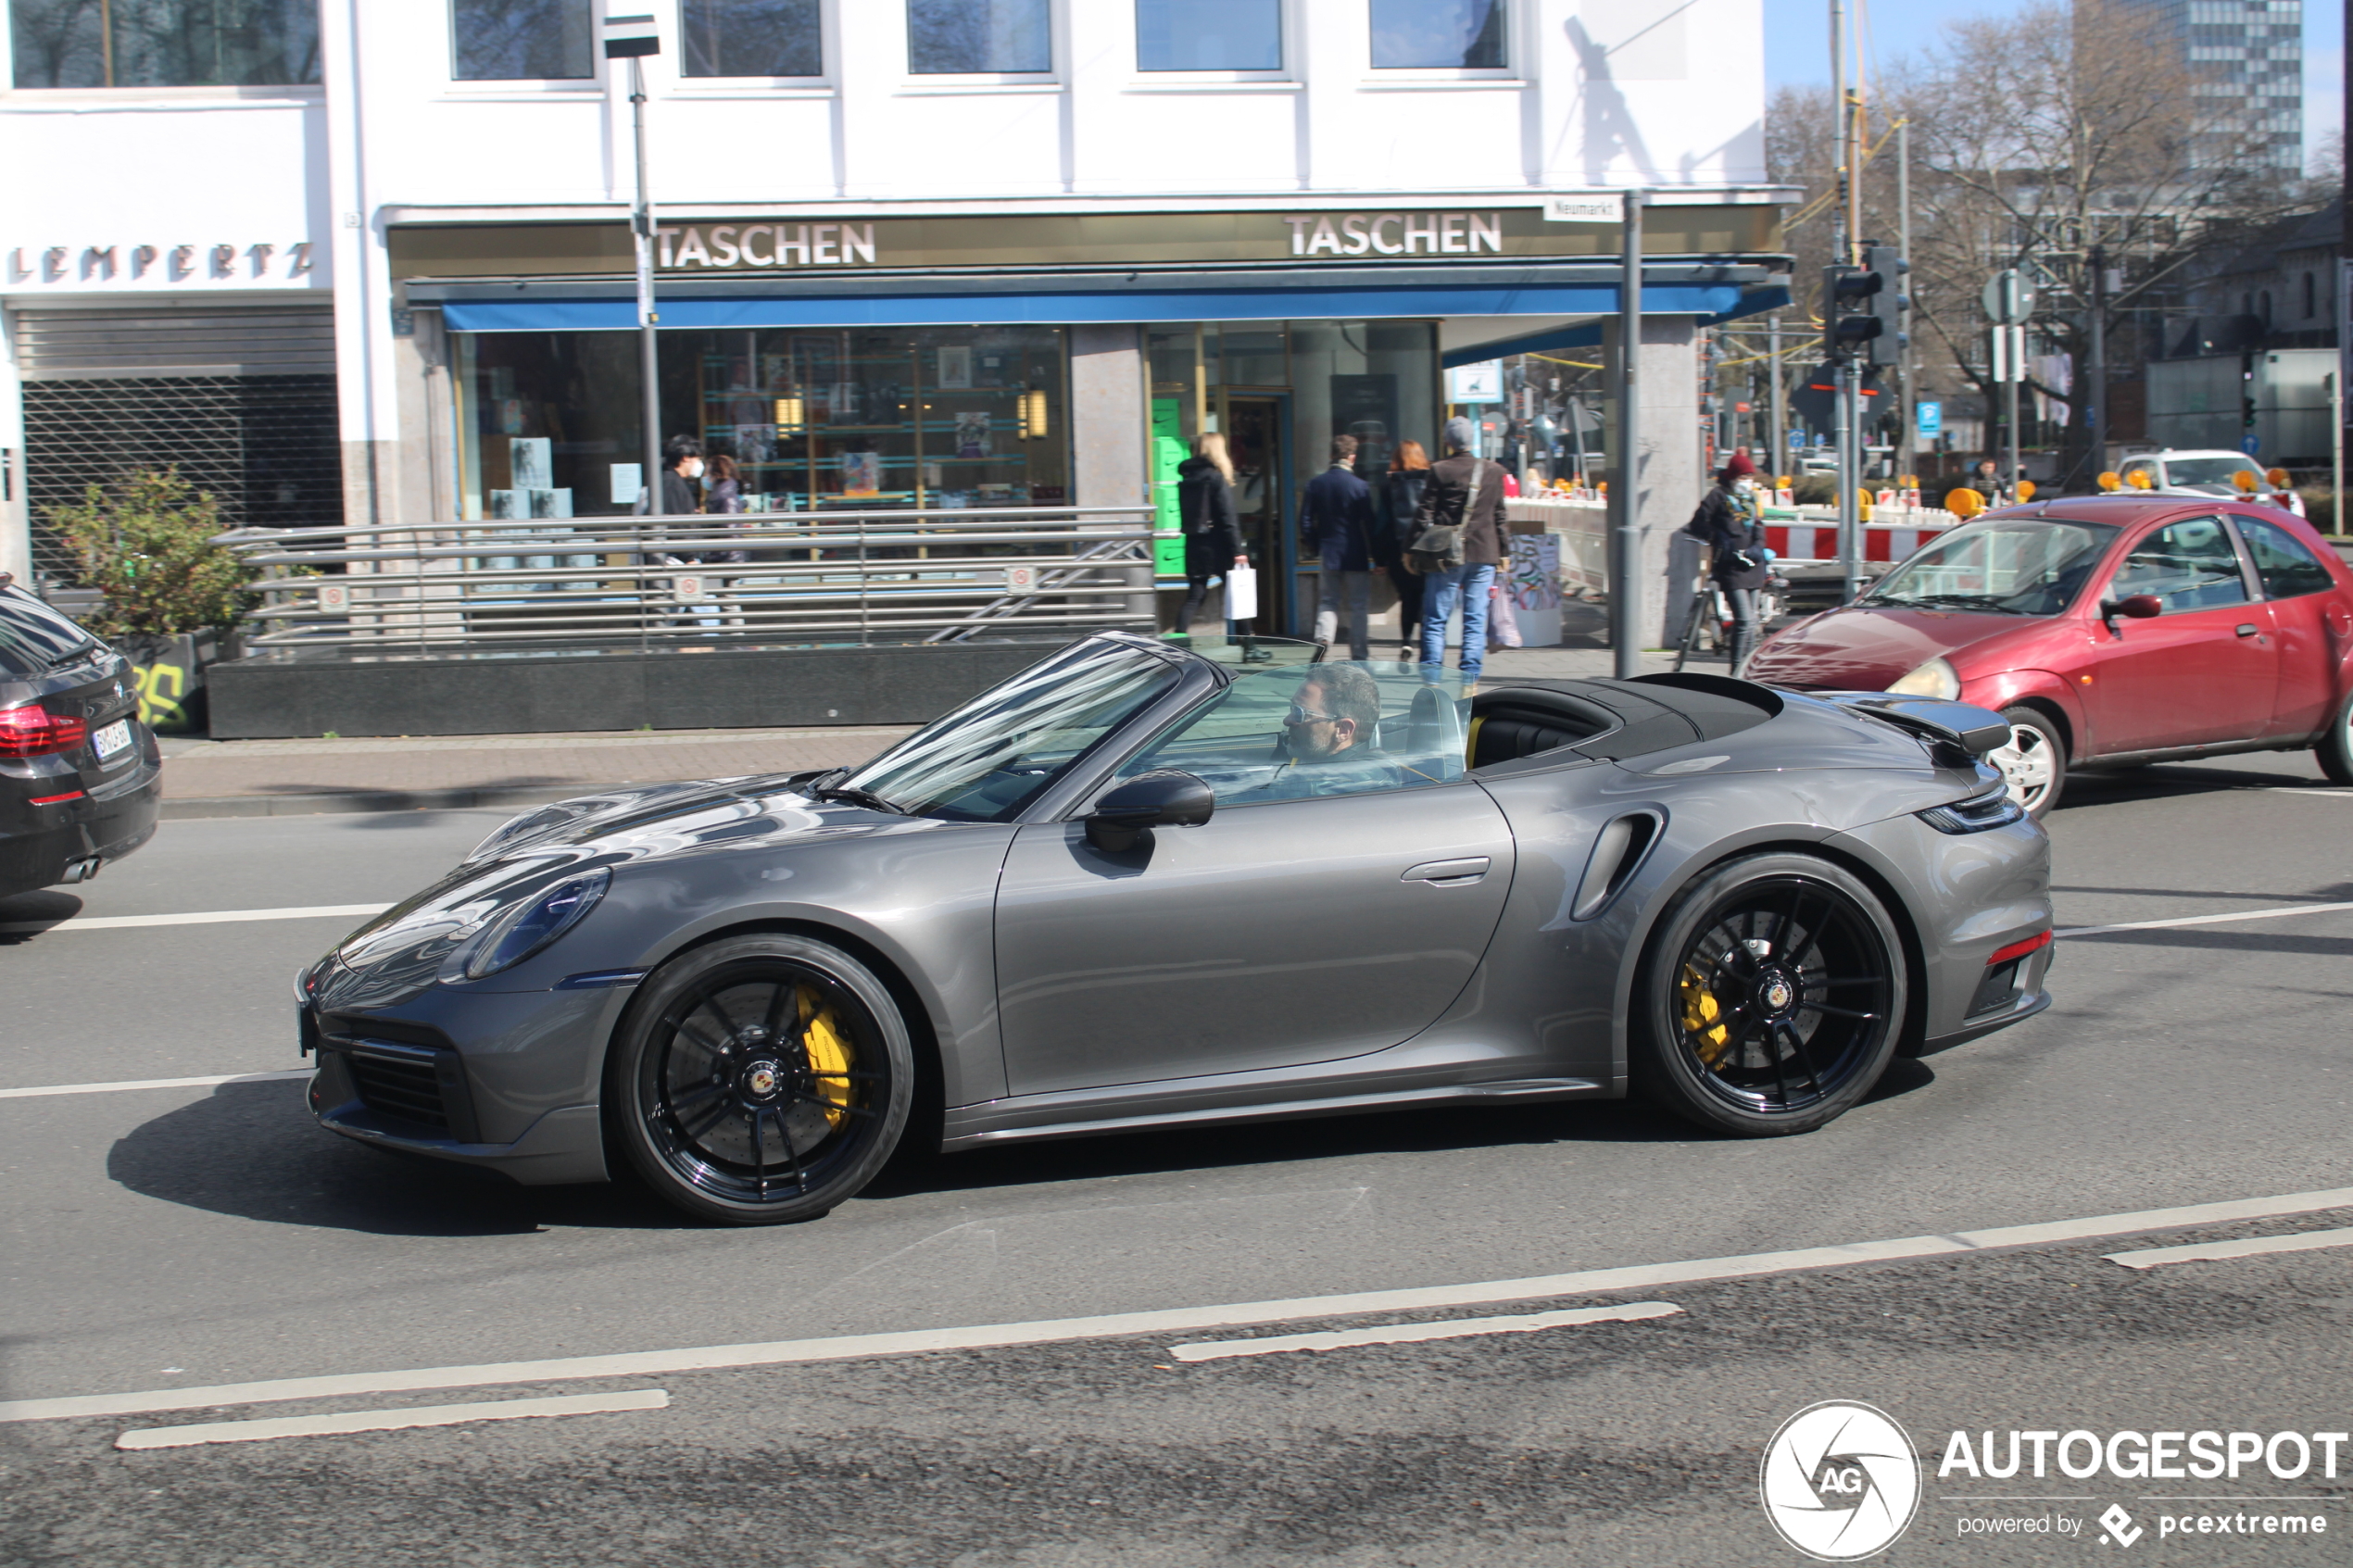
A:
x,y
1306,743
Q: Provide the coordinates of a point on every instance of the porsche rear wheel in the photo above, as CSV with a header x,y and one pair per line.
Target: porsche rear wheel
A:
x,y
1770,999
761,1079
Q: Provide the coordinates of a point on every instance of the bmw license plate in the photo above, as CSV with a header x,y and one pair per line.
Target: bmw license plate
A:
x,y
114,737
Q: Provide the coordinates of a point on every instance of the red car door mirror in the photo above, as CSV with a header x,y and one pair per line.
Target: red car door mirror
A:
x,y
2137,607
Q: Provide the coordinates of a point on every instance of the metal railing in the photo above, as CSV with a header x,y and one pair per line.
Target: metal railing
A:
x,y
766,579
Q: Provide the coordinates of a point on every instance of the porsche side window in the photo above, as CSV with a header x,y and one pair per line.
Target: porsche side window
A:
x,y
2189,565
1337,728
2286,567
988,760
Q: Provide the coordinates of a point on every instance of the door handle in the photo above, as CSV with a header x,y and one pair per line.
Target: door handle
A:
x,y
1449,873
2248,631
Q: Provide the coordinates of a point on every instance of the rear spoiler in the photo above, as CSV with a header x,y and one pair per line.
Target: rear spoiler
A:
x,y
1973,730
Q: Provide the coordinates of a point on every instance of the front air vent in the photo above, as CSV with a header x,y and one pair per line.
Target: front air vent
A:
x,y
399,1088
1618,853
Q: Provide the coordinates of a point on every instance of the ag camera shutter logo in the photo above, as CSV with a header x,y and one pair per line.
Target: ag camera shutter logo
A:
x,y
1840,1481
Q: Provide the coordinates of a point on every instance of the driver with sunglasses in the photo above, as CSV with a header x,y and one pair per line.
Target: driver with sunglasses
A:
x,y
1330,736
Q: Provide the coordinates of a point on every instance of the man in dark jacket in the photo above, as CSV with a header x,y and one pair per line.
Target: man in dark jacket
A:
x,y
1464,490
1727,523
1335,530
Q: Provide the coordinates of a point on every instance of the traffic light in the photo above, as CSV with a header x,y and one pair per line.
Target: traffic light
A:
x,y
1863,307
1815,399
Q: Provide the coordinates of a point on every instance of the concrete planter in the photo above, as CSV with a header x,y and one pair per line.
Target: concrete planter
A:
x,y
171,670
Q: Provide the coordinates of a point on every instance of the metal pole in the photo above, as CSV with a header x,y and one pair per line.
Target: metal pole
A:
x,y
1850,480
1625,499
1907,431
641,222
2014,343
2095,395
1841,235
2336,452
1773,374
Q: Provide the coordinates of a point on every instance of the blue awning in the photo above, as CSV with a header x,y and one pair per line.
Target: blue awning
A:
x,y
1715,302
1751,302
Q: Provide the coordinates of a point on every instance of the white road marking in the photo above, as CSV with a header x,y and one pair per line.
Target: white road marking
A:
x,y
388,1420
2204,920
1417,1332
2306,789
988,1336
206,917
2252,1246
120,1085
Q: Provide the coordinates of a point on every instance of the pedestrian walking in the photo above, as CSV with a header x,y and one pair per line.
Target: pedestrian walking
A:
x,y
1335,530
1458,543
1399,502
681,489
1212,529
1729,523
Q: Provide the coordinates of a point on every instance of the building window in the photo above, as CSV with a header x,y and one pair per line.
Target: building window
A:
x,y
523,40
1438,34
164,43
972,37
1209,35
750,38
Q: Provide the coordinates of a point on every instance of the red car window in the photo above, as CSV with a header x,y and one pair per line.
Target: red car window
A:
x,y
2286,568
2189,565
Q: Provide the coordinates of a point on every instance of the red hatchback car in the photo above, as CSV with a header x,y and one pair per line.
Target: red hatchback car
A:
x,y
2109,631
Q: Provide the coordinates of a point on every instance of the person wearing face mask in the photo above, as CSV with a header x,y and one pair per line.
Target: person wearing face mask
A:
x,y
681,476
1729,523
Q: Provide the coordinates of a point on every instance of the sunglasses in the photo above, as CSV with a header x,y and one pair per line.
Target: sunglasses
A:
x,y
1299,715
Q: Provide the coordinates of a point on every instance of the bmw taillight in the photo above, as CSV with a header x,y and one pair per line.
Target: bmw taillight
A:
x,y
36,732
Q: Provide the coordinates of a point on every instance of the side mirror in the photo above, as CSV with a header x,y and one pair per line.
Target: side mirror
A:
x,y
2139,607
1162,798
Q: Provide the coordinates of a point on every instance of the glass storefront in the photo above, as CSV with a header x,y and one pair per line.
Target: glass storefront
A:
x,y
816,418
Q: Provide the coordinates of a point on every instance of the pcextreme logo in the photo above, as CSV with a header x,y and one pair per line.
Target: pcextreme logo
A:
x,y
1840,1481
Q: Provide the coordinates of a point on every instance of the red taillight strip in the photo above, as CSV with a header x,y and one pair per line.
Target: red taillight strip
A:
x,y
53,799
2034,944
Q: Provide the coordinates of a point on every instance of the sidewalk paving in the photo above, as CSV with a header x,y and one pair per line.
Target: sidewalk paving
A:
x,y
271,778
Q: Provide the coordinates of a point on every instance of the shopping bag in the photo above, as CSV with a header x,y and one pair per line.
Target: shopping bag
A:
x,y
1242,593
1502,627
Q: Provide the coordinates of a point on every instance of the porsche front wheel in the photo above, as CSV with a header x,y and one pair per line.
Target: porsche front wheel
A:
x,y
761,1079
1770,1000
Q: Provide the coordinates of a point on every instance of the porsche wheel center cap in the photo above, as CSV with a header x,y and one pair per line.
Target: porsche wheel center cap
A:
x,y
1778,994
761,1079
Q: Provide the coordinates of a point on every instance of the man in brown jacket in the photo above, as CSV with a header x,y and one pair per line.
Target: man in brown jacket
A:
x,y
1467,490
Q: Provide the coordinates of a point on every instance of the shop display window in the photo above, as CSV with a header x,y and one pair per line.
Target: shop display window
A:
x,y
1209,35
1438,34
750,38
164,43
820,419
522,39
975,37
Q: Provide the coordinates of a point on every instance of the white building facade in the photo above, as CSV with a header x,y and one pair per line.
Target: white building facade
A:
x,y
373,266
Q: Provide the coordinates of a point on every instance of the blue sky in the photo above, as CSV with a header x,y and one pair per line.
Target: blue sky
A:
x,y
1797,46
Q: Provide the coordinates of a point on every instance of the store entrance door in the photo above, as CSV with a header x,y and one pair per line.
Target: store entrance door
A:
x,y
1257,439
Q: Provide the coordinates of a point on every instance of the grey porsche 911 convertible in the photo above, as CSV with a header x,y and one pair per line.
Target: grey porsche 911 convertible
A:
x,y
1139,887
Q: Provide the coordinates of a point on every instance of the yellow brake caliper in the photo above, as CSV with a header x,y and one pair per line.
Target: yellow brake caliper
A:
x,y
1700,1011
828,1052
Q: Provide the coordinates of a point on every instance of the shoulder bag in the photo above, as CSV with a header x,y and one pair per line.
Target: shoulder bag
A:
x,y
1439,547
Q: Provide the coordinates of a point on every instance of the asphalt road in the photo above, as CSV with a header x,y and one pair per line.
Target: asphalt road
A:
x,y
171,1237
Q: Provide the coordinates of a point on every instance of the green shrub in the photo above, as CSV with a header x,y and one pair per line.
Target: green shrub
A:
x,y
2319,506
1814,490
145,544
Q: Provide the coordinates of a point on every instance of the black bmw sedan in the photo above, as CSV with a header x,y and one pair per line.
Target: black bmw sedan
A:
x,y
80,779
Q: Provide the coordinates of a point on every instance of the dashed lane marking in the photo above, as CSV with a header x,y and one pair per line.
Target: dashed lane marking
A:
x,y
989,1336
2251,1246
202,917
123,1085
390,1419
1418,1332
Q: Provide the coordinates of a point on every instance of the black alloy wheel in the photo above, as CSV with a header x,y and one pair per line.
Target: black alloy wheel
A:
x,y
1772,998
761,1079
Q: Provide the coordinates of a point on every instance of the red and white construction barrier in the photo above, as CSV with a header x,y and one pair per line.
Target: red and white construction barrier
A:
x,y
1810,542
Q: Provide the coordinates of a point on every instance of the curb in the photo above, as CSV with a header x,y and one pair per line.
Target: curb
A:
x,y
354,802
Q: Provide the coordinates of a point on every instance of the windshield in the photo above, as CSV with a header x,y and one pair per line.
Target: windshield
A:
x,y
2012,567
991,758
35,639
2212,473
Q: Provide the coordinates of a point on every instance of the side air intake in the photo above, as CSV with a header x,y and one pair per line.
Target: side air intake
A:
x,y
1617,854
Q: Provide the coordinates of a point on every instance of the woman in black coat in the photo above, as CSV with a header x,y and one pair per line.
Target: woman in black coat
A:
x,y
1212,529
1728,523
1400,497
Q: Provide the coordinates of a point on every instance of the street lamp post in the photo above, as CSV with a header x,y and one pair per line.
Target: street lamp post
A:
x,y
632,39
1625,500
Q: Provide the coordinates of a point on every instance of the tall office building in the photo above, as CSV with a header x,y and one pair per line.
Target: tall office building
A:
x,y
2246,62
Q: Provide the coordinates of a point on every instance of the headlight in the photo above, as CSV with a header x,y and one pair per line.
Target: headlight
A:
x,y
1933,679
516,934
